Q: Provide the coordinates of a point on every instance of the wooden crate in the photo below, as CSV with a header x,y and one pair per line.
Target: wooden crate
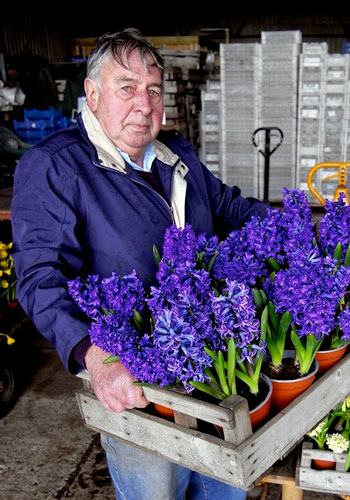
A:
x,y
242,457
324,481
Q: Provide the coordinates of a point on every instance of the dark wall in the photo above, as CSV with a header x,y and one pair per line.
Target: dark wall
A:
x,y
47,28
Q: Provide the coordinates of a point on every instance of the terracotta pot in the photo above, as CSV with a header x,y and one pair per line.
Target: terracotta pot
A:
x,y
285,391
12,303
327,359
261,413
164,411
257,415
320,464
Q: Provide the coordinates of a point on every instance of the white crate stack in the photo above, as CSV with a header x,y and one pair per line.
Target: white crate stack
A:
x,y
280,52
323,111
310,111
240,67
210,126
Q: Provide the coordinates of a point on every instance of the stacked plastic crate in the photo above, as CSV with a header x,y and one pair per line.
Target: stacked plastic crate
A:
x,y
240,66
323,112
209,127
280,52
39,123
334,114
310,111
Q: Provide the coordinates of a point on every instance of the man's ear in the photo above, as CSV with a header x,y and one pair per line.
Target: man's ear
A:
x,y
92,93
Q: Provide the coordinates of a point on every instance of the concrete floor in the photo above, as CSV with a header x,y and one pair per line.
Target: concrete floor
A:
x,y
46,453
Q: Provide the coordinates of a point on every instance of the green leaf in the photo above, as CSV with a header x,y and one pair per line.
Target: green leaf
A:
x,y
338,251
275,266
274,317
208,390
199,259
138,320
212,376
347,462
110,359
264,322
258,299
219,367
156,255
264,297
300,349
283,327
247,380
212,260
276,355
212,354
347,257
231,365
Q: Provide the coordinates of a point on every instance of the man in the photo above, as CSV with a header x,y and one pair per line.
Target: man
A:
x,y
93,199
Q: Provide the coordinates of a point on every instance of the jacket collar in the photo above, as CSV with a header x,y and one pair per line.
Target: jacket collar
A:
x,y
108,155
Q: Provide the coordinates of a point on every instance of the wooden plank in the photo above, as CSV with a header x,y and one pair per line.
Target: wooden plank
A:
x,y
201,452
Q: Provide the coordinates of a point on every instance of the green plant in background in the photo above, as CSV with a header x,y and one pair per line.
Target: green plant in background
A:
x,y
333,432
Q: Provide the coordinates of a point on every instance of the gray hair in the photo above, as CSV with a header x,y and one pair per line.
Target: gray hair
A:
x,y
119,46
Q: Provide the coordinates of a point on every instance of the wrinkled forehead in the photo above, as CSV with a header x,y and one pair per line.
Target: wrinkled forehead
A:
x,y
130,58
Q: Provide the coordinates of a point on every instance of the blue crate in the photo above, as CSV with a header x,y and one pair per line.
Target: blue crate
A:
x,y
33,131
42,114
39,123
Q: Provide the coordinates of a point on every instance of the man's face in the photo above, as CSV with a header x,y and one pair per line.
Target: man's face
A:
x,y
129,103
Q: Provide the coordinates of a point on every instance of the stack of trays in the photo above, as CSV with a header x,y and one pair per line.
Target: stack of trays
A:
x,y
323,115
240,69
280,52
210,125
310,113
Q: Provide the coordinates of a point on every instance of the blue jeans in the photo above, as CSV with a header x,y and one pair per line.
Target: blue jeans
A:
x,y
140,475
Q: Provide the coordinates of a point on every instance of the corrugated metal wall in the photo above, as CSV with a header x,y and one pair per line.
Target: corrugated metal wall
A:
x,y
38,35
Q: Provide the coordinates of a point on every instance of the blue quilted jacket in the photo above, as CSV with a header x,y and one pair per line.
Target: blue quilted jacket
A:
x,y
79,209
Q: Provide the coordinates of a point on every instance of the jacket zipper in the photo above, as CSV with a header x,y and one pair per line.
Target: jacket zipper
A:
x,y
170,208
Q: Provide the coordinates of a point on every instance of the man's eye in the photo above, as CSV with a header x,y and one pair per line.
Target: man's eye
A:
x,y
155,93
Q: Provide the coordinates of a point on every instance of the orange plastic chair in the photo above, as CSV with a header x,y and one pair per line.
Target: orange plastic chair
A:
x,y
341,175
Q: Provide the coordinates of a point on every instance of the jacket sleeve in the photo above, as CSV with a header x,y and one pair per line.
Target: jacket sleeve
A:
x,y
230,210
47,242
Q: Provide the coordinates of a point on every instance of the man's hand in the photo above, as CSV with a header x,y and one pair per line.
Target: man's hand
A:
x,y
112,382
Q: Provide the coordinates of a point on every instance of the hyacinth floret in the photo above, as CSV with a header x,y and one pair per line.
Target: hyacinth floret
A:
x,y
298,222
334,225
86,294
344,323
234,314
319,284
181,347
180,245
236,259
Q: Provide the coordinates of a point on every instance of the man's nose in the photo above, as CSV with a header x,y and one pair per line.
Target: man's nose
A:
x,y
142,102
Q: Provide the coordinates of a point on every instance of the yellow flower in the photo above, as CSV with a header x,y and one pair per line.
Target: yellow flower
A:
x,y
9,340
10,244
3,263
3,254
6,271
3,246
346,404
4,284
